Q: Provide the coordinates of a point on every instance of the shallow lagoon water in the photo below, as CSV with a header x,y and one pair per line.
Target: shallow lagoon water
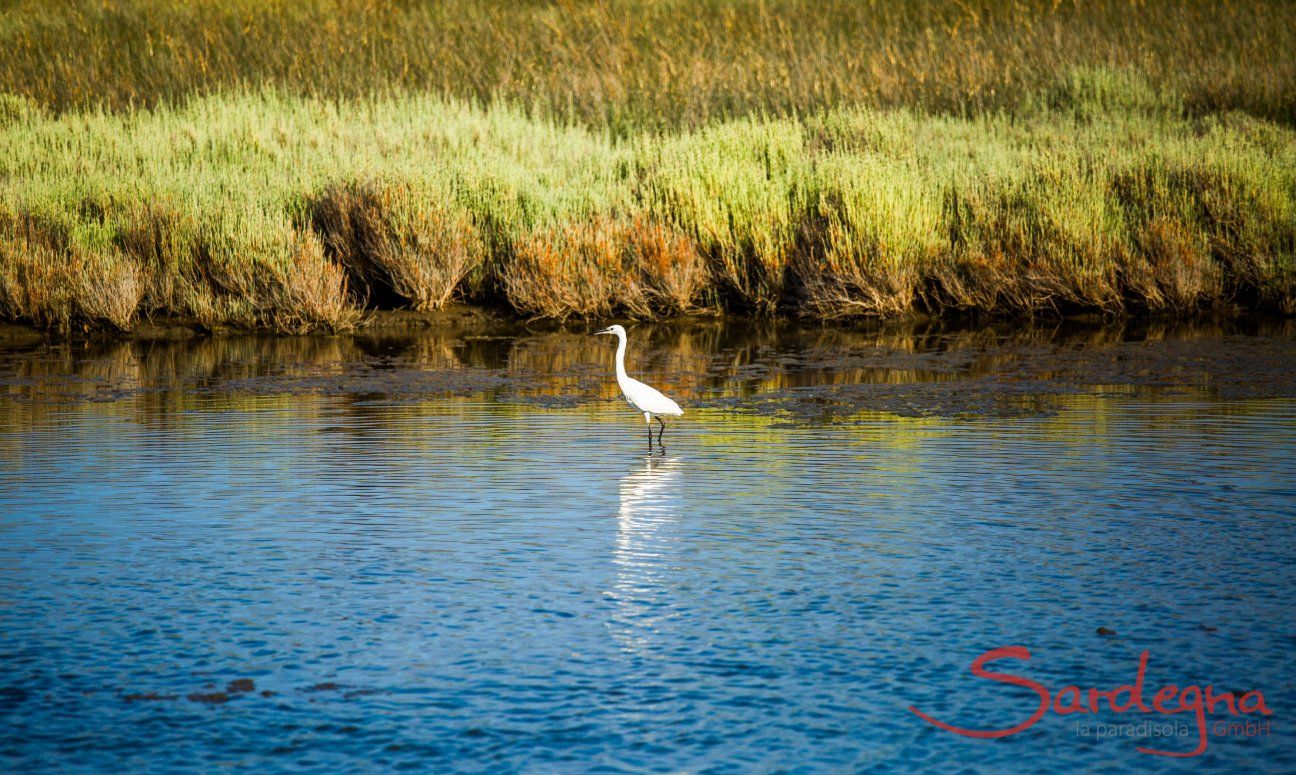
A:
x,y
451,549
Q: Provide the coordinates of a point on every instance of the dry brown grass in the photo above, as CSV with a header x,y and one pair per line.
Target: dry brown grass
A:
x,y
1197,235
47,279
225,274
399,242
1024,249
1172,269
603,266
310,293
627,64
570,269
666,267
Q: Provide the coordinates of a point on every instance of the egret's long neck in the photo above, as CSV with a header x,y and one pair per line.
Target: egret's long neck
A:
x,y
620,363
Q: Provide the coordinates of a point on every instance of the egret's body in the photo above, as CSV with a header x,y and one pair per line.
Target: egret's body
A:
x,y
644,398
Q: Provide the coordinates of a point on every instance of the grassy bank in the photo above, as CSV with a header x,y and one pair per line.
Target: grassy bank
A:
x,y
631,64
287,164
269,210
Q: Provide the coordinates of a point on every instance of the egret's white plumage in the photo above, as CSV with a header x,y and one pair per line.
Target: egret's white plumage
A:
x,y
644,398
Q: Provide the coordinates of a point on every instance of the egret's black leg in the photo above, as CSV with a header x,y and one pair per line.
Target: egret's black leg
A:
x,y
660,433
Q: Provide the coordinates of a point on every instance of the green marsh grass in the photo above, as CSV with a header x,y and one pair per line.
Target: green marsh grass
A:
x,y
285,164
270,210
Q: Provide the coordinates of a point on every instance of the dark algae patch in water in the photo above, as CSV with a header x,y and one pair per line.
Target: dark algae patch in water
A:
x,y
801,373
240,686
1003,378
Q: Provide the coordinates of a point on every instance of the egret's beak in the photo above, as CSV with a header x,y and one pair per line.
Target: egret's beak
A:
x,y
604,331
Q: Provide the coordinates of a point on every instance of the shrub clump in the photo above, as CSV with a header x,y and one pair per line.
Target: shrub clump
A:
x,y
398,243
53,282
603,265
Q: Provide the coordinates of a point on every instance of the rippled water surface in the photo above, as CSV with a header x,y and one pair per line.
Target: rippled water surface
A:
x,y
453,549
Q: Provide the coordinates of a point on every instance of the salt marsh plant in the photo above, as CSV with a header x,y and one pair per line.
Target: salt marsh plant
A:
x,y
263,209
402,244
601,266
48,278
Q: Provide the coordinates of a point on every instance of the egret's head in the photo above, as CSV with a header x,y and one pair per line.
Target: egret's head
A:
x,y
612,330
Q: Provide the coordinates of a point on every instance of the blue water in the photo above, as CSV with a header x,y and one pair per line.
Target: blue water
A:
x,y
477,582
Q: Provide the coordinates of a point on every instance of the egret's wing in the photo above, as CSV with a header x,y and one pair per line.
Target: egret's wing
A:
x,y
650,399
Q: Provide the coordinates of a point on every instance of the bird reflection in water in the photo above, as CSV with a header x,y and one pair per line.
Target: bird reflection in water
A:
x,y
645,544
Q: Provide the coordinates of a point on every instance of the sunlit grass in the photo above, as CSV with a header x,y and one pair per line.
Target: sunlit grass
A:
x,y
627,65
266,210
283,164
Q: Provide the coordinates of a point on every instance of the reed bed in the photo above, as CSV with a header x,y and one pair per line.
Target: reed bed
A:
x,y
266,209
627,65
285,165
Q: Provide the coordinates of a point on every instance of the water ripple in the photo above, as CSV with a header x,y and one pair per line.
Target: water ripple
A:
x,y
470,584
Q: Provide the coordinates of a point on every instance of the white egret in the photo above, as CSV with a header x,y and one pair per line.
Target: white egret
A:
x,y
642,397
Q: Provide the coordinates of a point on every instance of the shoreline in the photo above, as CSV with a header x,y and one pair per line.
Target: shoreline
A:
x,y
493,320
780,369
